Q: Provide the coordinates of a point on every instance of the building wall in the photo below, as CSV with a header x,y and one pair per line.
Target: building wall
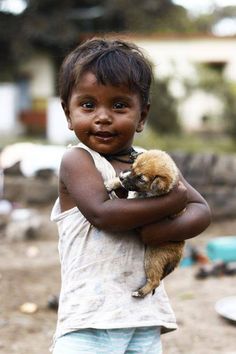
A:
x,y
171,57
178,59
8,109
41,73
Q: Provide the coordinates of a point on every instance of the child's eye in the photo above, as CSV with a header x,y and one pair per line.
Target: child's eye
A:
x,y
88,105
119,105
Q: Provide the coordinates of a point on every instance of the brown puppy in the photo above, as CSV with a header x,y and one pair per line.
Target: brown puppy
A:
x,y
153,173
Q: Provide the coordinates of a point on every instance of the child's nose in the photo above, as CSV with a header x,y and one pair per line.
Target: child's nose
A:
x,y
103,116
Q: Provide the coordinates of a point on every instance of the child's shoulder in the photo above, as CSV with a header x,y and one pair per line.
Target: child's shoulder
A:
x,y
74,155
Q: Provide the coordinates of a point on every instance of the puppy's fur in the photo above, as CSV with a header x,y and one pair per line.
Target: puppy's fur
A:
x,y
153,173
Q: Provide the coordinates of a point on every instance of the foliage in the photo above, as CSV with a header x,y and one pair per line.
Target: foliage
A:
x,y
214,82
56,26
9,44
163,116
152,16
192,143
229,115
149,139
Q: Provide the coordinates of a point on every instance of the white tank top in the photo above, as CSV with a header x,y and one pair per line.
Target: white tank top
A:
x,y
99,270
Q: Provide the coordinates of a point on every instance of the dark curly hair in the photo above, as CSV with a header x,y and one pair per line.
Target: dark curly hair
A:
x,y
113,62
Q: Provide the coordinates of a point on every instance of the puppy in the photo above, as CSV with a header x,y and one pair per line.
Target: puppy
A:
x,y
153,173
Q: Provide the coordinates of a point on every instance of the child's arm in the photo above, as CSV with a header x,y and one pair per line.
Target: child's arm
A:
x,y
83,187
190,223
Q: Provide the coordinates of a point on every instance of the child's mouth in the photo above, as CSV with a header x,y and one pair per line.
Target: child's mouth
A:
x,y
104,135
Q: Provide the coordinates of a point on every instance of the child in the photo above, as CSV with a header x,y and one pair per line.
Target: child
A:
x,y
104,89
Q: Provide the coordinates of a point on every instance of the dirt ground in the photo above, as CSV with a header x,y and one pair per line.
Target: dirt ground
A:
x,y
29,272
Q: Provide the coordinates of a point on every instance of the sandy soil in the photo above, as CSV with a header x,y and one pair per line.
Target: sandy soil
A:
x,y
29,272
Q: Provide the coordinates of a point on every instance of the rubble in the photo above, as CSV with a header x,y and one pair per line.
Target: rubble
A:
x,y
34,178
29,308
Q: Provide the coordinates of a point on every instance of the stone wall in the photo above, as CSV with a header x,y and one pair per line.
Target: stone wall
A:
x,y
30,191
214,176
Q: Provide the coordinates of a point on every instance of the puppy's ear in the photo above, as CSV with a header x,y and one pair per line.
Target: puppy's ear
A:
x,y
155,185
135,154
160,185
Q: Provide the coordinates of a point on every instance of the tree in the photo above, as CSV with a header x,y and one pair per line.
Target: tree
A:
x,y
56,26
151,16
163,116
229,114
10,44
212,80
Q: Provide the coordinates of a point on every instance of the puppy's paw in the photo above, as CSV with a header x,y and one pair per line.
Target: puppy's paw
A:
x,y
112,184
137,294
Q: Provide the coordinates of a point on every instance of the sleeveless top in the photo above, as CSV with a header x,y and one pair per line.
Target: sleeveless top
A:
x,y
99,270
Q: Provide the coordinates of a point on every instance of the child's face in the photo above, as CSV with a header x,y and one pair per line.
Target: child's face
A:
x,y
104,117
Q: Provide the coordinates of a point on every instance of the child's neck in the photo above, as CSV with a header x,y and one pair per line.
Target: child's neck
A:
x,y
126,156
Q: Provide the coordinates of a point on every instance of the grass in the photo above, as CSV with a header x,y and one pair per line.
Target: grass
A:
x,y
149,139
8,140
193,143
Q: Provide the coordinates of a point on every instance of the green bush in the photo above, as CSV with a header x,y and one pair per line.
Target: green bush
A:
x,y
163,116
192,143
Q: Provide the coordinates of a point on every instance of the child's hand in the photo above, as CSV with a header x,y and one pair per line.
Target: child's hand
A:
x,y
179,198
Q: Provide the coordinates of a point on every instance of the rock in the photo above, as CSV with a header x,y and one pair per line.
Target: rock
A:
x,y
199,168
53,302
224,170
29,308
31,190
30,226
210,174
32,252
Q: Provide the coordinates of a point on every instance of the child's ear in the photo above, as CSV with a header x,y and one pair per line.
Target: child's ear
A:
x,y
143,118
67,114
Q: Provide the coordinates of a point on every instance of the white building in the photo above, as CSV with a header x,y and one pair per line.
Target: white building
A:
x,y
178,58
174,57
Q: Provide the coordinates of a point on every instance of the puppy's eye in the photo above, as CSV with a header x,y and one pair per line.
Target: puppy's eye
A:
x,y
159,177
141,179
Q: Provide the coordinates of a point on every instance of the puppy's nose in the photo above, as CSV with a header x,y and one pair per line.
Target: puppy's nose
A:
x,y
121,177
124,174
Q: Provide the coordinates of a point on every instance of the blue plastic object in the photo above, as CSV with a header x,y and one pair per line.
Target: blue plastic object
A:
x,y
222,248
186,262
